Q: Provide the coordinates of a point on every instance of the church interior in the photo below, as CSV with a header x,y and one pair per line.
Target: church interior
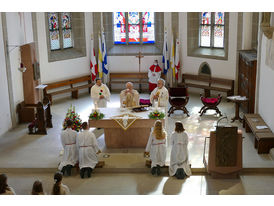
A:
x,y
47,70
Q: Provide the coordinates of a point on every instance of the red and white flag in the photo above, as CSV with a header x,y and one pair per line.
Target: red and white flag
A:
x,y
177,59
93,63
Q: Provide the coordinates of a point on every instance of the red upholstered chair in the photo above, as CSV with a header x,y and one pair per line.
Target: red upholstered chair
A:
x,y
210,103
178,98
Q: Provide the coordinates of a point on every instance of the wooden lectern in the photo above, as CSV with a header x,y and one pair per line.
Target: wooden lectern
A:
x,y
223,152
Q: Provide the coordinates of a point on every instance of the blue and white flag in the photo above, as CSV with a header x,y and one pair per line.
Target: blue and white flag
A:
x,y
165,55
104,48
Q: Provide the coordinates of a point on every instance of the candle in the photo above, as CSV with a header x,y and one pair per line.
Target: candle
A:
x,y
95,106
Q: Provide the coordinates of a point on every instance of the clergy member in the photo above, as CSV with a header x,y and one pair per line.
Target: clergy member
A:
x,y
100,94
70,156
88,150
154,73
129,97
160,94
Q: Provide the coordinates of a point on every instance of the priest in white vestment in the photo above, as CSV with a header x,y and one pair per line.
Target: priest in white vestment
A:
x,y
100,94
156,147
160,94
179,165
88,150
129,97
70,156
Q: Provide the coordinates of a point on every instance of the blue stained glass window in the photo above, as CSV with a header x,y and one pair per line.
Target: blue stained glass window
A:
x,y
119,20
148,27
54,31
67,33
133,28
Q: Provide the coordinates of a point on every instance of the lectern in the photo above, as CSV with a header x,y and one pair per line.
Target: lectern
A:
x,y
223,152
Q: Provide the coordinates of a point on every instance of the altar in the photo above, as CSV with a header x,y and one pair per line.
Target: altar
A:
x,y
133,132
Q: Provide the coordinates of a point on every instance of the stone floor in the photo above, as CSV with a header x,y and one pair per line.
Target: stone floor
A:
x,y
20,150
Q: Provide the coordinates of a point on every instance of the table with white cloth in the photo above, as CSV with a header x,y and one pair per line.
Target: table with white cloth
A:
x,y
117,136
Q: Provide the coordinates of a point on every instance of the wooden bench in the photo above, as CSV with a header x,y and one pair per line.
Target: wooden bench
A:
x,y
123,78
62,87
208,83
264,138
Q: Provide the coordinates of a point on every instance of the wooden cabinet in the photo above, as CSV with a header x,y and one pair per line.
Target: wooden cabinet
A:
x,y
247,78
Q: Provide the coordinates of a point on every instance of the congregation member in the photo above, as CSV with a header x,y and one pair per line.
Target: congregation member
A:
x,y
156,148
100,94
59,188
160,94
88,150
179,165
129,97
5,189
154,73
70,156
37,188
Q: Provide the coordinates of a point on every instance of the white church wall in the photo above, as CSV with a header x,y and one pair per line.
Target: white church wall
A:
x,y
19,31
5,120
219,68
266,83
60,70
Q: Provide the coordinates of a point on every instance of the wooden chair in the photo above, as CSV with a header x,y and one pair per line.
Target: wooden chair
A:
x,y
210,103
178,98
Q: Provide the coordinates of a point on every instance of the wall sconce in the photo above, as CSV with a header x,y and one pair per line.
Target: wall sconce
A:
x,y
22,68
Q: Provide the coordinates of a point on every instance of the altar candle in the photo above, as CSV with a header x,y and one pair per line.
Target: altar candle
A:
x,y
95,106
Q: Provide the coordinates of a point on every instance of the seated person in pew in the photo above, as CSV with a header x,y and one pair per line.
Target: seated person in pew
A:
x,y
156,148
129,97
160,94
70,156
179,165
100,94
88,150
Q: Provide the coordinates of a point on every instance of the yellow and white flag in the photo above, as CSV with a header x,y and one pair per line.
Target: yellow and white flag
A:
x,y
100,59
172,57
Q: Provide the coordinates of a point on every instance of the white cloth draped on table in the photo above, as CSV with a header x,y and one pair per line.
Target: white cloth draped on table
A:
x,y
163,96
157,150
95,93
88,148
179,153
70,156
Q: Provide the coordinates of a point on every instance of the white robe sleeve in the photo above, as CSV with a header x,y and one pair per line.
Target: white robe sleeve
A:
x,y
152,95
94,94
62,139
164,97
94,142
106,93
148,147
149,75
136,97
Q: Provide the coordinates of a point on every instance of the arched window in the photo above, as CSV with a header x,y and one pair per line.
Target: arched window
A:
x,y
211,32
126,27
60,38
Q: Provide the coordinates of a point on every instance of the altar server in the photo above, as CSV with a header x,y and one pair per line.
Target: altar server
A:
x,y
154,73
100,94
156,147
88,150
59,188
160,94
129,97
179,165
70,156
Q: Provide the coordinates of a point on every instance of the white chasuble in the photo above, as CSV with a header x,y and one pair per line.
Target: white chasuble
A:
x,y
129,99
95,93
162,96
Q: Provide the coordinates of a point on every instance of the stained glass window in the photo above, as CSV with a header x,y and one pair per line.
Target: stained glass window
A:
x,y
127,27
66,28
133,28
212,29
60,30
54,31
119,20
148,27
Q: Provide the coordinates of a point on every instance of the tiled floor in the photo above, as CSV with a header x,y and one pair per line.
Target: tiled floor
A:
x,y
20,150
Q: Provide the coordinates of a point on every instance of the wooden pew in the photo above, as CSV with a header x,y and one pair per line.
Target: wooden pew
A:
x,y
122,78
264,138
208,84
67,86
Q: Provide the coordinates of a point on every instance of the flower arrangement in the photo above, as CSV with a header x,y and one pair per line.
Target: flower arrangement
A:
x,y
74,117
96,115
156,115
